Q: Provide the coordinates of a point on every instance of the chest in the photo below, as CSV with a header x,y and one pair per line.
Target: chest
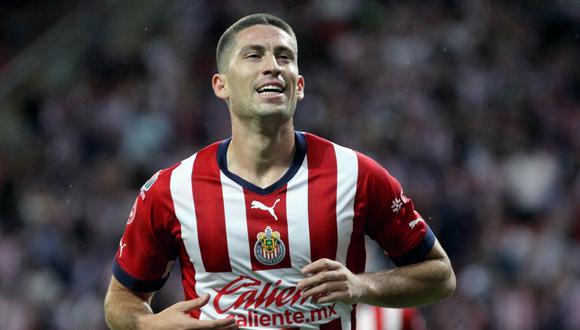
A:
x,y
232,228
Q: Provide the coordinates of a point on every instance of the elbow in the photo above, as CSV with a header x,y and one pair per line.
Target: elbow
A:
x,y
443,281
107,310
448,283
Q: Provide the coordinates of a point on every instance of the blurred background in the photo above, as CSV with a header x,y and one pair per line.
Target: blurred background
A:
x,y
474,105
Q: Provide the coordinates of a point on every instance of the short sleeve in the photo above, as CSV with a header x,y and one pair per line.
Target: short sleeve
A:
x,y
392,220
147,250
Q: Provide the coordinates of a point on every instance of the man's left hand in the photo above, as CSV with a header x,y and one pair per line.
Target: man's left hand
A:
x,y
330,281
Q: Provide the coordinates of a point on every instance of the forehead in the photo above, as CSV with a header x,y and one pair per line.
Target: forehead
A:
x,y
264,35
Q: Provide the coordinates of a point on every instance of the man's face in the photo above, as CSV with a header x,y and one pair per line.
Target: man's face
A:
x,y
262,77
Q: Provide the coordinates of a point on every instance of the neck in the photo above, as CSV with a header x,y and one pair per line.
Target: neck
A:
x,y
261,156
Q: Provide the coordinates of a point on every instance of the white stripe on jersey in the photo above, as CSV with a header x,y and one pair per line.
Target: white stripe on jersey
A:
x,y
297,216
183,203
347,175
236,226
394,318
365,318
181,192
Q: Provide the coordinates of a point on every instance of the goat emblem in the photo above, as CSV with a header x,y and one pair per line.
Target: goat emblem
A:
x,y
261,206
269,248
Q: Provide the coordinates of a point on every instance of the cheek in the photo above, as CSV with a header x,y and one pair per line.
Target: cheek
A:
x,y
237,87
243,85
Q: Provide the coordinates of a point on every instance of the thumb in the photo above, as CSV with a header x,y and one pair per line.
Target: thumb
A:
x,y
188,305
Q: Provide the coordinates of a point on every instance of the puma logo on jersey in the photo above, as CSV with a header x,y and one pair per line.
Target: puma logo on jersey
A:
x,y
413,223
261,206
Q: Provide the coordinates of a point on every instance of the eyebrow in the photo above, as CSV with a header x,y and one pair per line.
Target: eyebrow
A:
x,y
260,48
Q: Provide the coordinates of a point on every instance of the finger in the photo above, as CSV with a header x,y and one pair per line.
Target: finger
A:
x,y
322,277
325,289
188,305
320,265
336,296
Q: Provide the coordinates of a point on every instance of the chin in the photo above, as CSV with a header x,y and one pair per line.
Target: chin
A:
x,y
271,109
276,112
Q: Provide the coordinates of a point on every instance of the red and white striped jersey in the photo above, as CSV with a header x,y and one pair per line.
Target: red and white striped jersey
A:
x,y
245,245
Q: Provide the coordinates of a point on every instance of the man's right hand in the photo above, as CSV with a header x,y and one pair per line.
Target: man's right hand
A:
x,y
177,317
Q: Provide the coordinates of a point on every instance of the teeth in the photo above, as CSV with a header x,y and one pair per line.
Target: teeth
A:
x,y
270,89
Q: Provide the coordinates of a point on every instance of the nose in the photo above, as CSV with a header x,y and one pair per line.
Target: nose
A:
x,y
271,66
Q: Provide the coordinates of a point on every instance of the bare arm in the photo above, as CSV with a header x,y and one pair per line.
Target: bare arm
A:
x,y
422,283
126,309
417,284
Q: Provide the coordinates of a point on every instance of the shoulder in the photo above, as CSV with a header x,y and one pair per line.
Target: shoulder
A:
x,y
159,184
369,167
366,165
318,146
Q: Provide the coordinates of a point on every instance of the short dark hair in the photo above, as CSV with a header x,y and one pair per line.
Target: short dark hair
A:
x,y
226,41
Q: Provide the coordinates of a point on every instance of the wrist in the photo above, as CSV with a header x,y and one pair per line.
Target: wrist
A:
x,y
367,291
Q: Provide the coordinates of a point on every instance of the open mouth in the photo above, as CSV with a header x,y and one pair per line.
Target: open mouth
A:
x,y
270,90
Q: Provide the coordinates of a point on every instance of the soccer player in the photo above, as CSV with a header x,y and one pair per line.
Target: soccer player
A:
x,y
269,224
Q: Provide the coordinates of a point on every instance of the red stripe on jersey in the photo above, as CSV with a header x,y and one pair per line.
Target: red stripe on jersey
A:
x,y
261,212
209,211
356,254
378,311
321,198
188,272
335,324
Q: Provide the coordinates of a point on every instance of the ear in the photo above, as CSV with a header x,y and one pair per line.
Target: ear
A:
x,y
300,88
218,82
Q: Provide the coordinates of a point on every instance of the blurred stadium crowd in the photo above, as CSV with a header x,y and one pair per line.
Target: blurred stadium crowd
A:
x,y
474,105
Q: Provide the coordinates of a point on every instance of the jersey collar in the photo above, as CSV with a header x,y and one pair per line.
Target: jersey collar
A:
x,y
294,167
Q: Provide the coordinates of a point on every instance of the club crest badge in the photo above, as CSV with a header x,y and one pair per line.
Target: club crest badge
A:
x,y
269,248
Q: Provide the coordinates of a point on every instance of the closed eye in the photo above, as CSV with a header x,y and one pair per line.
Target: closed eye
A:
x,y
286,57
